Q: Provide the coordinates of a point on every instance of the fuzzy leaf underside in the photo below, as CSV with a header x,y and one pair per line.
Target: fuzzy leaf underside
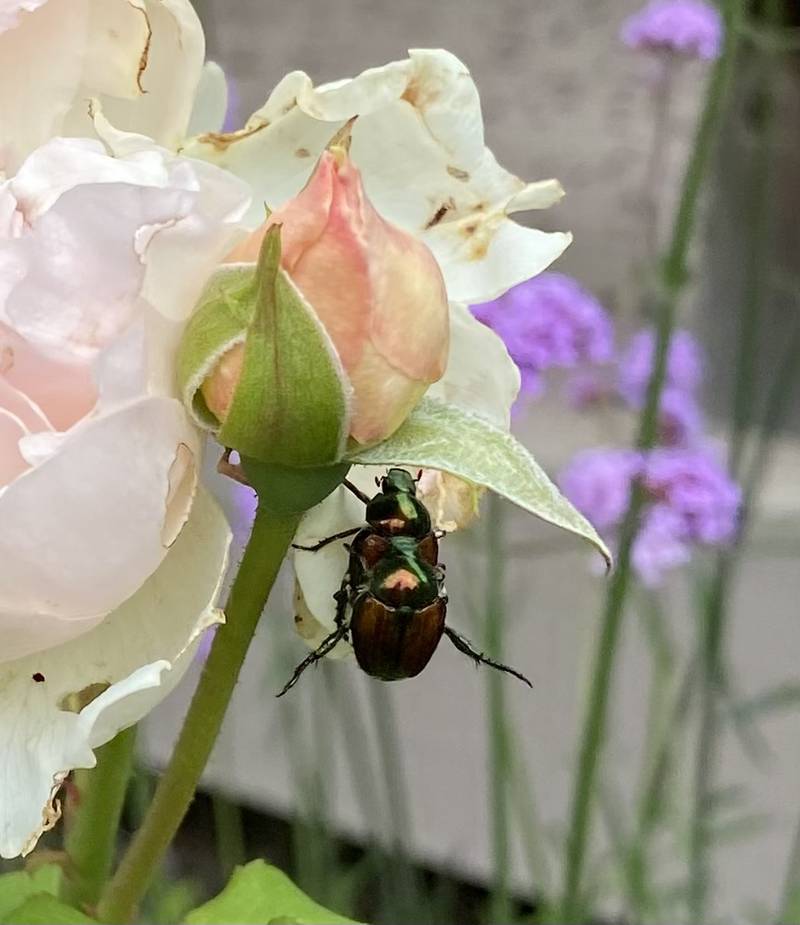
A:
x,y
441,436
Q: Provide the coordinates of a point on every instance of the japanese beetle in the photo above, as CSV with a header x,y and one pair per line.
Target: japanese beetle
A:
x,y
391,605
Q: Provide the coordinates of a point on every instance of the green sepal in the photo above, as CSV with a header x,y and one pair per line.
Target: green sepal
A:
x,y
286,490
221,319
259,893
291,406
441,436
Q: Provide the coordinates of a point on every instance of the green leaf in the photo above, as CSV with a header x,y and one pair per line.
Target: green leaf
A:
x,y
17,887
442,436
44,909
258,893
291,406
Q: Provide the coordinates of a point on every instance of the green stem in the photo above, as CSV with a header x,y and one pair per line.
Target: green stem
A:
x,y
790,898
674,275
405,898
714,619
271,536
91,839
499,764
228,834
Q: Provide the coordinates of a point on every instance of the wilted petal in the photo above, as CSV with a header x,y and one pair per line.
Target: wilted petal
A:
x,y
143,62
418,141
48,722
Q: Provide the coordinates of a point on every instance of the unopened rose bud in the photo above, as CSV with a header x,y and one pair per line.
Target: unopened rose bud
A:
x,y
377,290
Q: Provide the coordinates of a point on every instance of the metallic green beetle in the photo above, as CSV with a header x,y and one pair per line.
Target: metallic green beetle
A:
x,y
393,588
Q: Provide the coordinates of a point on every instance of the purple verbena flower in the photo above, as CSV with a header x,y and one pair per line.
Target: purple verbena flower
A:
x,y
687,27
695,485
589,387
684,365
598,483
690,501
659,546
549,321
680,421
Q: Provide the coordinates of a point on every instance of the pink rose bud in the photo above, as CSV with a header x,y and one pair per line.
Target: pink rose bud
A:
x,y
377,290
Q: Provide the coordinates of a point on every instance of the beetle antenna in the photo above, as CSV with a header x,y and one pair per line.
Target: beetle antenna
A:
x,y
479,658
362,496
328,539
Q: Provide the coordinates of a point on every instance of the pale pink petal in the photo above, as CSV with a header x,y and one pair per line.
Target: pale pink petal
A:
x,y
12,463
65,392
83,530
41,60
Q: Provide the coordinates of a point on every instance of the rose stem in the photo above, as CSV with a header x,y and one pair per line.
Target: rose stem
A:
x,y
263,556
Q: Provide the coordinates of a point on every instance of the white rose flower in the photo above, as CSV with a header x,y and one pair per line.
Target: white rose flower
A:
x,y
108,570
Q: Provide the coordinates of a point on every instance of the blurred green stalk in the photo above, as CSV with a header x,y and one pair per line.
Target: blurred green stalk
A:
x,y
228,834
91,839
715,615
500,908
406,897
674,276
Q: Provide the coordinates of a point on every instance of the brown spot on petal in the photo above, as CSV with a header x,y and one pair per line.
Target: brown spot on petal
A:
x,y
75,701
420,96
458,173
182,482
288,107
302,152
38,677
6,359
222,140
145,55
440,213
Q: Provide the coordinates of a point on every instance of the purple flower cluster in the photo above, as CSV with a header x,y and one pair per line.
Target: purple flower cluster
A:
x,y
687,27
549,321
691,502
680,419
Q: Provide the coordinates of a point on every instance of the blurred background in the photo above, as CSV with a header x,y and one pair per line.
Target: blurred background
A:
x,y
447,798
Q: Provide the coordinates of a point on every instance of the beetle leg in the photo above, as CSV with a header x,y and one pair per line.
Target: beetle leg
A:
x,y
479,658
327,644
328,539
342,597
362,496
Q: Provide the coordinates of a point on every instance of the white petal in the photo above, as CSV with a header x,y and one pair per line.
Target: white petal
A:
x,y
145,71
480,377
86,528
320,573
211,102
418,141
139,652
